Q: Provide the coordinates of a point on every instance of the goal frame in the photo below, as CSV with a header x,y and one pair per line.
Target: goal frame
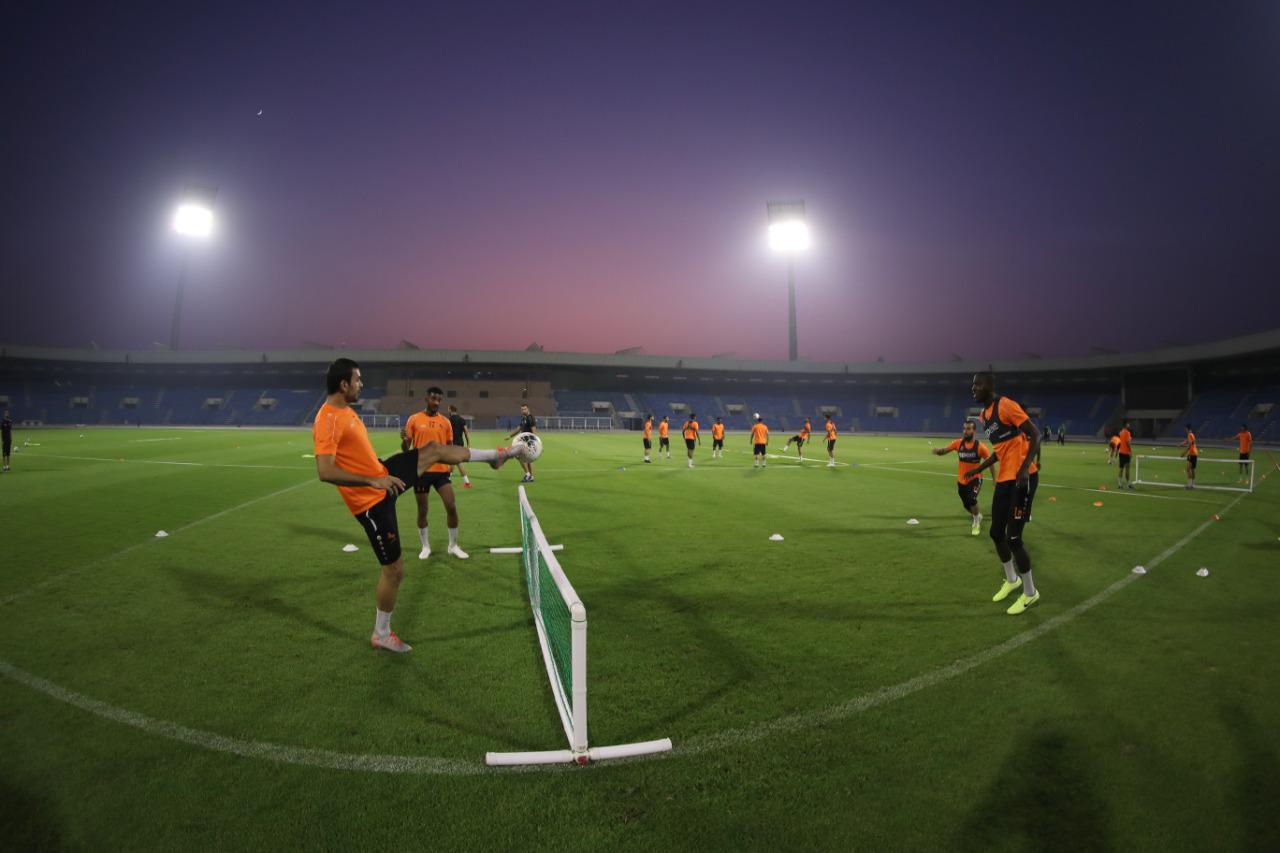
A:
x,y
1246,489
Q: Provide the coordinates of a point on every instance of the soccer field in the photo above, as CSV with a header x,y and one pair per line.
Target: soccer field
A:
x,y
850,687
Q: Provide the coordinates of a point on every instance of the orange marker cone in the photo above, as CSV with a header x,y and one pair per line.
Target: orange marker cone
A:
x,y
1097,503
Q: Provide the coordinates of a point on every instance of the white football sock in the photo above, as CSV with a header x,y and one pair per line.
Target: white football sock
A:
x,y
453,537
422,536
466,479
1011,572
483,455
382,625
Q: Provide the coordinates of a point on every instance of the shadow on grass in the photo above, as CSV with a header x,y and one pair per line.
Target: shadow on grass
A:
x,y
259,593
1042,799
1257,788
26,823
315,531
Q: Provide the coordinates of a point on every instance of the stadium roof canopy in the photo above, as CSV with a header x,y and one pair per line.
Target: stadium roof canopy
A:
x,y
1256,344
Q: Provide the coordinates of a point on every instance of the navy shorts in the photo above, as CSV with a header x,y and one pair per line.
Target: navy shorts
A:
x,y
759,449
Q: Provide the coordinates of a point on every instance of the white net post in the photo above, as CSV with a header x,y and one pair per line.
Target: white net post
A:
x,y
1215,474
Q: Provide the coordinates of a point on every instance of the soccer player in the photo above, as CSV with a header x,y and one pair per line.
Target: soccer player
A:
x,y
971,453
1062,433
6,437
422,428
831,442
800,438
691,436
717,439
369,486
759,443
1113,447
1243,436
664,441
461,437
1193,455
528,423
1124,452
648,437
1015,442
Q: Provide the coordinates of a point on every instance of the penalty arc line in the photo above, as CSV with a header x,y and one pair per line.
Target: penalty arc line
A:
x,y
407,764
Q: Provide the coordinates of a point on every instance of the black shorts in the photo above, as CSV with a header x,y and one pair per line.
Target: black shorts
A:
x,y
1124,459
759,449
797,439
379,523
664,442
648,444
969,492
1243,456
831,444
691,443
1010,508
8,445
431,480
717,444
458,441
1191,460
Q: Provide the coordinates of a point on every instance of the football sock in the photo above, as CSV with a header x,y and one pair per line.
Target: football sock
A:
x,y
483,455
453,537
383,624
466,479
1011,572
1028,585
422,536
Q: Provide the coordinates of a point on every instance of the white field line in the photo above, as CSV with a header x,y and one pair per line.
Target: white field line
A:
x,y
58,578
166,462
694,746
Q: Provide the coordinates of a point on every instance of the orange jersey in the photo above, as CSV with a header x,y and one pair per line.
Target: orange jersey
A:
x,y
804,430
831,431
690,430
1246,440
759,434
648,430
1115,441
1191,445
422,428
1002,421
971,456
663,429
717,432
341,434
1125,437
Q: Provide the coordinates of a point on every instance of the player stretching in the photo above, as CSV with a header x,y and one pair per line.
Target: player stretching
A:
x,y
971,453
1193,455
664,441
759,443
1113,446
422,428
1243,436
369,486
461,437
1124,452
799,438
717,439
648,437
831,442
6,437
691,436
528,423
1015,442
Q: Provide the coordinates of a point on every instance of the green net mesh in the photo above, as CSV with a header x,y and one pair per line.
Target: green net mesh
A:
x,y
550,608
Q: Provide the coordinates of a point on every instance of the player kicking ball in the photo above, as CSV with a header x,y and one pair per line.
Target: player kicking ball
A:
x,y
971,453
799,439
369,485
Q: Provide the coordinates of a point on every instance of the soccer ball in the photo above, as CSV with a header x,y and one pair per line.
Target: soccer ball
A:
x,y
526,447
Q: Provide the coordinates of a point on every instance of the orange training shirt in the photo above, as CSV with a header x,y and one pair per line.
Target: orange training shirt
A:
x,y
717,432
1125,437
831,431
648,430
1191,445
340,433
804,430
967,466
422,428
759,434
1011,451
663,429
1246,440
690,430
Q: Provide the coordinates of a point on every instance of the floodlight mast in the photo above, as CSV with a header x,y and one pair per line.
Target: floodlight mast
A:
x,y
192,220
789,234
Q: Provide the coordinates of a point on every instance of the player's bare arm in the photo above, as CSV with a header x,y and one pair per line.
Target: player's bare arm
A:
x,y
1033,435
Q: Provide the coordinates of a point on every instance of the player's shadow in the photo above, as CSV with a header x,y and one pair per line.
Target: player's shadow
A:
x,y
27,823
259,594
1042,798
314,531
1257,786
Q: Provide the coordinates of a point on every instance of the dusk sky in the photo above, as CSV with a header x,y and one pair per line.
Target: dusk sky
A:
x,y
982,179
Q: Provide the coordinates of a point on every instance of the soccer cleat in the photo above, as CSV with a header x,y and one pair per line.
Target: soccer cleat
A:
x,y
977,526
425,552
466,484
391,643
1005,589
458,552
1024,601
503,454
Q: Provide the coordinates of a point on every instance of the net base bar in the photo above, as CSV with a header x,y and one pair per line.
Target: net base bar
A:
x,y
565,756
518,550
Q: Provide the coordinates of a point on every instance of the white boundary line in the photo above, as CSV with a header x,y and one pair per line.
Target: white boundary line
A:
x,y
50,581
693,746
167,462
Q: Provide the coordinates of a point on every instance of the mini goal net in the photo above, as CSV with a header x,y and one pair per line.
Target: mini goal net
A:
x,y
560,620
374,421
1224,475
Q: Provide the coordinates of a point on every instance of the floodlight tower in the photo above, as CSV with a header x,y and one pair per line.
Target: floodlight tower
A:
x,y
192,221
789,234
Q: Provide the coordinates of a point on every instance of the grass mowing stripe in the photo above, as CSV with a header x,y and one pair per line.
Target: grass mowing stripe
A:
x,y
9,599
168,462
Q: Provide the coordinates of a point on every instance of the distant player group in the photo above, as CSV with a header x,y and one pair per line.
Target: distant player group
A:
x,y
1120,453
759,439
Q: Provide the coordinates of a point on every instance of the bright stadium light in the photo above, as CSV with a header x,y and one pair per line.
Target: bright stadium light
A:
x,y
789,234
193,220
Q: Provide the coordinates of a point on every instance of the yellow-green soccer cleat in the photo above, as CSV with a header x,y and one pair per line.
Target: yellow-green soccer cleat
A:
x,y
1024,601
1005,589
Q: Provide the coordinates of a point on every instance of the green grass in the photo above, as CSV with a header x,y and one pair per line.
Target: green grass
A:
x,y
1149,721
